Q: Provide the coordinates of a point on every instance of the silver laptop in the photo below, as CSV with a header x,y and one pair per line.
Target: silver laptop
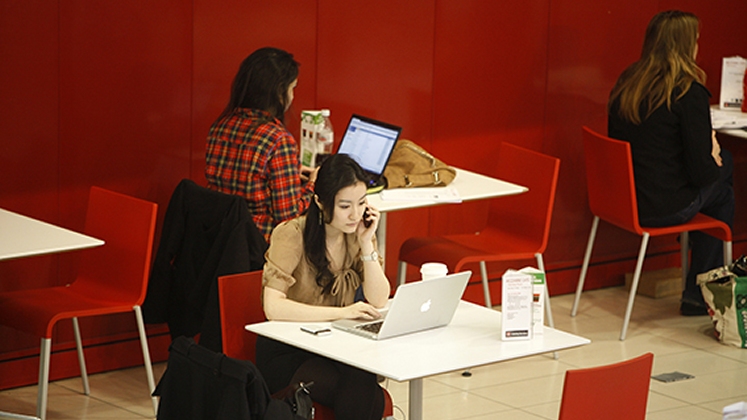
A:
x,y
416,306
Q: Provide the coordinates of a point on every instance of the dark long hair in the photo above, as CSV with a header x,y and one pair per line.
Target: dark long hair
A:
x,y
262,82
337,172
667,65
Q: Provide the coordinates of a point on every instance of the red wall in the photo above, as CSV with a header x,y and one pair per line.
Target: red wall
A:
x,y
121,94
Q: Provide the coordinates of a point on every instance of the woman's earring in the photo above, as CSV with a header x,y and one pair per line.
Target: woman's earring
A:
x,y
321,218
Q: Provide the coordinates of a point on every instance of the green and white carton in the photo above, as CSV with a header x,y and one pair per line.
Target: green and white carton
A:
x,y
311,123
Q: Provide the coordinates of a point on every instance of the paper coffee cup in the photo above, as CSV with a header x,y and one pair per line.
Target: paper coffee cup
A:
x,y
433,270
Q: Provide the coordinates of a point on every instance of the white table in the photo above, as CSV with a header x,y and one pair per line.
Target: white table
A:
x,y
22,236
472,339
726,129
469,185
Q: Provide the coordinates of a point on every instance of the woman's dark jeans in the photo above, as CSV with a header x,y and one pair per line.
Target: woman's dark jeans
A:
x,y
707,252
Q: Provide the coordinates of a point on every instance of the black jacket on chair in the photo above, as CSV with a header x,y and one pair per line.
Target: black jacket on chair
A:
x,y
206,234
200,384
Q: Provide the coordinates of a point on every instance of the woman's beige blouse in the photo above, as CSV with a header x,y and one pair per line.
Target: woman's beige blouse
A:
x,y
287,269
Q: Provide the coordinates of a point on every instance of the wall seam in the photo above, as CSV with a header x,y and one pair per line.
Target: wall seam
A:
x,y
547,77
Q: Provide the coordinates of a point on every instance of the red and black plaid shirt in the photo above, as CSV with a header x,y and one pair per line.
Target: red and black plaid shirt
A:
x,y
251,154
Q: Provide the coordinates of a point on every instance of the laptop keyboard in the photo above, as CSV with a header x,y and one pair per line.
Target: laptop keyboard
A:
x,y
373,327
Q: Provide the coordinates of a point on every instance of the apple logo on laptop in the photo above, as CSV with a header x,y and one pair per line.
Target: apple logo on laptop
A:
x,y
426,306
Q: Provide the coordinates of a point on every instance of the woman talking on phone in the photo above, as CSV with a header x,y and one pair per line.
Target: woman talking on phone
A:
x,y
661,107
315,265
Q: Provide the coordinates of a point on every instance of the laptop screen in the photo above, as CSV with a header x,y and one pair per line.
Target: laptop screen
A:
x,y
369,142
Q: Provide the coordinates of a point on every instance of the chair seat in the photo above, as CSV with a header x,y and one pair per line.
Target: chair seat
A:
x,y
701,222
37,310
457,250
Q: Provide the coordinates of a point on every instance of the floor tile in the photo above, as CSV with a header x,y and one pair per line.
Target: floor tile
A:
x,y
525,389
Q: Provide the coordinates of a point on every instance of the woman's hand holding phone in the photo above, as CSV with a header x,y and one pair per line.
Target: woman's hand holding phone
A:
x,y
369,222
366,221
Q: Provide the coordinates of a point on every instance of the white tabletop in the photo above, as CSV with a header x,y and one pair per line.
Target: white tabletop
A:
x,y
426,353
731,122
739,132
22,236
473,338
469,185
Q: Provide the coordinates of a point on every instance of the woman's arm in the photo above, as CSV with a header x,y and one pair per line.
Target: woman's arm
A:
x,y
716,150
376,286
288,197
697,136
279,308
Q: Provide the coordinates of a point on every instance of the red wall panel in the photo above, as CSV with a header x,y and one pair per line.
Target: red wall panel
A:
x,y
29,163
489,87
124,98
582,68
226,32
376,59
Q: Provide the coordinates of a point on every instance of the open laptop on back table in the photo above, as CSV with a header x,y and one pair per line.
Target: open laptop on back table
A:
x,y
416,306
370,143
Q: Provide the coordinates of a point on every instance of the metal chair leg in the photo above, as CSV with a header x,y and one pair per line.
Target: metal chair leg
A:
x,y
546,297
45,354
634,285
81,357
548,308
146,356
401,273
684,252
585,265
485,286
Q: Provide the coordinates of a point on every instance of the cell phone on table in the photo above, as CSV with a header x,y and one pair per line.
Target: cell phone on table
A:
x,y
366,222
317,330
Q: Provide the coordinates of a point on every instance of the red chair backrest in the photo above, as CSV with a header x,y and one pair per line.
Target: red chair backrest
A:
x,y
610,180
526,215
119,269
617,391
240,304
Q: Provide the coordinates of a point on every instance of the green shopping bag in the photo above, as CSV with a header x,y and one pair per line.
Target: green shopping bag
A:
x,y
726,296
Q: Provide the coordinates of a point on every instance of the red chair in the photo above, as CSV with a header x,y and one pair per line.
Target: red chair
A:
x,y
518,226
240,304
111,279
612,198
614,392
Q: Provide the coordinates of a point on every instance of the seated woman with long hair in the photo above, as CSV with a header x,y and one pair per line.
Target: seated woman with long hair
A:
x,y
661,107
315,265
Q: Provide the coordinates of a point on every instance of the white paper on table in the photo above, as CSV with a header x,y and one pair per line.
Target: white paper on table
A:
x,y
732,75
439,194
727,119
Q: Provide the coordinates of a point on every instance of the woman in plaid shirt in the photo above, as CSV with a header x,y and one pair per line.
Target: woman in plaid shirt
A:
x,y
250,152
